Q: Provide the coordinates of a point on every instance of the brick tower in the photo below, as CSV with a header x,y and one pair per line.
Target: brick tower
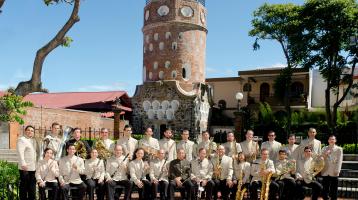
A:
x,y
173,93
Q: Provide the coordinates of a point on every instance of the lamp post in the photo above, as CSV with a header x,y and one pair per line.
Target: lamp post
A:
x,y
239,96
238,114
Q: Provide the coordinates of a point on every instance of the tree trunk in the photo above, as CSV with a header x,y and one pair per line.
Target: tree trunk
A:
x,y
35,84
288,108
328,106
1,4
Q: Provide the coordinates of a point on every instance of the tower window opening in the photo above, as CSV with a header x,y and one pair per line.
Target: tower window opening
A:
x,y
174,46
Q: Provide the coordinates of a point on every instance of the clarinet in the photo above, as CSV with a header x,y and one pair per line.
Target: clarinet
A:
x,y
124,159
162,168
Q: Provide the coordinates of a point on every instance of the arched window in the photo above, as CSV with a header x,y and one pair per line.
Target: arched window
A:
x,y
264,91
247,87
297,89
222,104
184,73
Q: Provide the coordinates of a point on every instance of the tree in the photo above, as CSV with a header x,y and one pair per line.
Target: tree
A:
x,y
13,107
1,4
282,23
329,24
35,84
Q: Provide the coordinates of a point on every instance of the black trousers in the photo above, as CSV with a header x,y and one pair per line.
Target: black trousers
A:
x,y
330,187
162,187
111,189
287,188
208,189
186,191
79,193
27,185
314,185
145,190
234,190
52,194
273,190
220,185
91,186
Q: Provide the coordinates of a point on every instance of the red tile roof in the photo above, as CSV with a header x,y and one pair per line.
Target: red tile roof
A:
x,y
68,99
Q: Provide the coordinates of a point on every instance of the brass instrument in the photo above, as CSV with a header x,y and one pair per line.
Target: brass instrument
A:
x,y
65,136
290,165
210,147
317,165
240,192
234,154
265,184
217,168
103,152
80,149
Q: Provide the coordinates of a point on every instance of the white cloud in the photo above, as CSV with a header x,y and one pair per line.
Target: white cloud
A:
x,y
276,65
211,70
110,87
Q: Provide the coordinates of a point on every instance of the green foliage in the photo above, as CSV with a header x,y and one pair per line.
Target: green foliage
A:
x,y
67,41
13,107
9,179
137,136
350,148
266,113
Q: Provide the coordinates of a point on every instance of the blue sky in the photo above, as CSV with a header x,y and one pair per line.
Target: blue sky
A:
x,y
107,50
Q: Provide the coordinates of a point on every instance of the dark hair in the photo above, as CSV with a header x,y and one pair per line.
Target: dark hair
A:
x,y
332,135
202,148
282,151
308,147
46,150
168,129
29,126
127,126
271,131
205,132
264,149
134,153
291,135
69,145
75,129
184,130
55,124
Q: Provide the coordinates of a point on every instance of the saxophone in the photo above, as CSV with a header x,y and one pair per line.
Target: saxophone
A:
x,y
210,147
103,152
266,180
217,168
240,192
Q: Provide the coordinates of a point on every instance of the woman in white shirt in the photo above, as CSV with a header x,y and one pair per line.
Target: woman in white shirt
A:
x,y
46,175
94,171
138,169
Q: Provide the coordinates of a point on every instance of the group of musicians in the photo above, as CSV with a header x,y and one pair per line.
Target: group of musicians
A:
x,y
204,170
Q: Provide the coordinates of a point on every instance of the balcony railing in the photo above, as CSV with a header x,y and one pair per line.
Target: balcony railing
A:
x,y
202,2
274,101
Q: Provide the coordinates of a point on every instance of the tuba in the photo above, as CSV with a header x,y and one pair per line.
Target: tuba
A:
x,y
65,136
103,152
266,180
217,168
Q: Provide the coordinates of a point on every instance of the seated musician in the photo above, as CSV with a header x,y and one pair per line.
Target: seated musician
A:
x,y
201,174
260,172
116,174
95,171
241,175
222,173
159,176
46,175
305,174
76,137
71,167
179,176
285,170
138,169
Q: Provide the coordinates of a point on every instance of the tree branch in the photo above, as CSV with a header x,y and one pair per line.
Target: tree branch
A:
x,y
34,84
1,4
350,83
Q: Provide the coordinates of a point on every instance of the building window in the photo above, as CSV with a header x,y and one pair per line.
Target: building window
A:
x,y
174,74
161,45
222,104
161,75
147,38
297,89
155,65
144,73
186,71
174,46
168,35
150,47
150,76
247,87
167,64
156,36
181,36
264,92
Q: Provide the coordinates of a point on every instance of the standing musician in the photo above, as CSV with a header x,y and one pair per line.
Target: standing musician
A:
x,y
285,170
52,140
305,174
103,145
95,171
201,174
46,175
149,144
128,142
241,175
207,144
232,148
260,172
138,169
116,174
76,139
333,155
179,176
71,167
310,141
168,145
291,146
249,147
159,176
272,145
26,150
222,173
187,145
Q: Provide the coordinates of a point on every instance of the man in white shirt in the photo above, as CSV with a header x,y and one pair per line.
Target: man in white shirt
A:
x,y
231,146
272,145
208,144
104,145
187,145
168,145
159,176
291,146
26,150
333,155
149,144
128,142
310,141
52,140
250,148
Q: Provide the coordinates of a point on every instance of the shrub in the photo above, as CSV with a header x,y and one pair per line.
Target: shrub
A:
x,y
9,180
349,148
